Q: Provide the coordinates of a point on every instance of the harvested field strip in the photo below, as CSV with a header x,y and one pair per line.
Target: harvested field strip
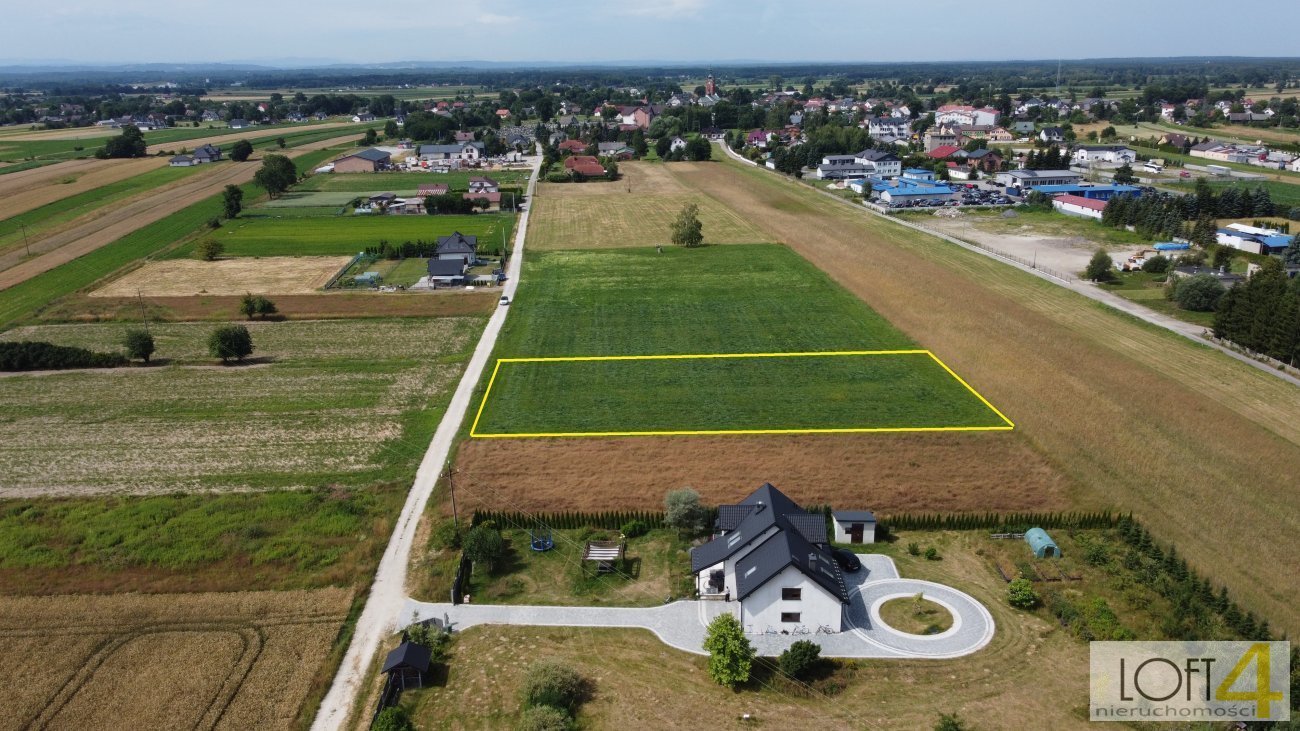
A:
x,y
251,659
22,299
407,183
270,275
862,391
1068,369
33,224
332,305
323,411
87,181
345,236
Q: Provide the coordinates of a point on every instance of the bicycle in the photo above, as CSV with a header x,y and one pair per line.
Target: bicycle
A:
x,y
801,630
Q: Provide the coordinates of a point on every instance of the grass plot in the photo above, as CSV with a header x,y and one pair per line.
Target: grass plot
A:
x,y
752,393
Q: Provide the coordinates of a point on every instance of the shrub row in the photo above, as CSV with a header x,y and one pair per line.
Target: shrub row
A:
x,y
37,356
609,520
999,522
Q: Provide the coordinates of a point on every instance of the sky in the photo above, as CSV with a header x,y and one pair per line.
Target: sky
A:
x,y
596,31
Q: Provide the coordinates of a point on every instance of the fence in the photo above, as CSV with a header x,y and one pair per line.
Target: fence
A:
x,y
463,572
387,698
1000,522
609,520
334,279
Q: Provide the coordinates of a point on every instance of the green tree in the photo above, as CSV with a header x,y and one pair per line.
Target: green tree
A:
x,y
265,307
138,343
1021,594
1291,256
241,150
1199,293
950,722
370,138
544,718
209,249
230,341
390,128
232,200
1124,175
276,174
683,511
393,718
248,305
661,147
686,229
484,545
800,658
699,149
280,143
1101,268
552,683
730,654
1158,264
130,143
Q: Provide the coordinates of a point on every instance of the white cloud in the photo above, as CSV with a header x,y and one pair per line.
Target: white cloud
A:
x,y
663,8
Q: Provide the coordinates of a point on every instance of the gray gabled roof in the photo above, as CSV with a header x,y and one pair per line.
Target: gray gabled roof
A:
x,y
877,156
371,154
449,149
408,655
764,508
207,151
854,516
446,268
785,549
457,243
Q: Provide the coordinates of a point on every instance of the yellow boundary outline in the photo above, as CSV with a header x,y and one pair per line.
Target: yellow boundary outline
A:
x,y
473,430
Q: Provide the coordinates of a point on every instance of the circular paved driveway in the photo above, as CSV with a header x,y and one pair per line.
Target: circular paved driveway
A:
x,y
972,625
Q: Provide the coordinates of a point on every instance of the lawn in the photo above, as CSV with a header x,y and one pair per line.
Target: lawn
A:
x,y
1044,223
1285,195
397,272
331,403
885,392
656,565
342,235
406,183
916,615
1149,290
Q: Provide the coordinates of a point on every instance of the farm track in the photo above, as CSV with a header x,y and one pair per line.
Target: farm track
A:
x,y
1138,418
102,230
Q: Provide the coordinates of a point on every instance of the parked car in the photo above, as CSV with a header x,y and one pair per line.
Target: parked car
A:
x,y
504,300
847,560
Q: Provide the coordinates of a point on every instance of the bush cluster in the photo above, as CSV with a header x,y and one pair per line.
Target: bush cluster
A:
x,y
551,693
37,356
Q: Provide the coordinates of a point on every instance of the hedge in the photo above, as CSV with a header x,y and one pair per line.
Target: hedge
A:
x,y
37,356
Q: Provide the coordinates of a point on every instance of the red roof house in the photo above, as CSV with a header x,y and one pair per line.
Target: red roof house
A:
x,y
572,146
584,165
943,151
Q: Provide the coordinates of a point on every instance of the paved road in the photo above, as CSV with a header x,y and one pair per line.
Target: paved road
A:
x,y
682,624
1087,289
388,592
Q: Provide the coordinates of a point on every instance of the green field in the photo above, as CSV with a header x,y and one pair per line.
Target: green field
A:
x,y
52,214
883,392
406,183
1285,195
758,298
22,299
61,149
345,235
336,403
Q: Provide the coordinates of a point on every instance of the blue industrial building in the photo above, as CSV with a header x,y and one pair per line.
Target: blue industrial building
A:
x,y
1095,192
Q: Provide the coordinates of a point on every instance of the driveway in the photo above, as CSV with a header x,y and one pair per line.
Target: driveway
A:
x,y
682,624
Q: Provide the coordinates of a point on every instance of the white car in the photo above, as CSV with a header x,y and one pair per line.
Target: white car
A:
x,y
504,300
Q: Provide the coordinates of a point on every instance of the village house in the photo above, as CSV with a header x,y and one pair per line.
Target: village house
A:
x,y
616,150
1052,134
939,136
366,161
1115,154
572,147
1074,205
772,557
584,165
988,161
959,114
456,247
459,151
480,184
889,129
427,189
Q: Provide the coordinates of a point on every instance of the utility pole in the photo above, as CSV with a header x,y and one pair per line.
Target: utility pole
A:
x,y
139,296
451,485
25,244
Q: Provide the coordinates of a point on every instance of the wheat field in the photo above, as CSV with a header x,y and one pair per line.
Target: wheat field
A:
x,y
218,661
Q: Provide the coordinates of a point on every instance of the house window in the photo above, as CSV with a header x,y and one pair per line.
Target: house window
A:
x,y
791,594
790,617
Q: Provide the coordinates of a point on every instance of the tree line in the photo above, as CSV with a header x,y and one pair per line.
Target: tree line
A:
x,y
1165,214
1262,314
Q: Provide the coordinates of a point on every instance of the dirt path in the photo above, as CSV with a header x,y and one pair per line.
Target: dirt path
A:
x,y
1137,417
83,239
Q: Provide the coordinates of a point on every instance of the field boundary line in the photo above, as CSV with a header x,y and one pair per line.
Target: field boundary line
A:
x,y
1008,425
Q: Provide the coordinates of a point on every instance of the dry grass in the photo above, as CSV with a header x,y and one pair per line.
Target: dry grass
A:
x,y
888,472
46,184
1202,448
319,306
228,661
184,277
633,211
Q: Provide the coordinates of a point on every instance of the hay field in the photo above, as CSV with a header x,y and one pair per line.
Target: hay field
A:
x,y
330,403
223,661
184,277
633,211
1202,448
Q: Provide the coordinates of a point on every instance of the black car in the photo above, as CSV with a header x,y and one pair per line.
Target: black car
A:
x,y
847,560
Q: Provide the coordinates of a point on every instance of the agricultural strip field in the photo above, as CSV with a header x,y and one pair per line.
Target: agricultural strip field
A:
x,y
849,392
269,275
347,235
1085,385
633,211
317,406
32,199
64,147
37,223
407,183
222,661
759,298
170,212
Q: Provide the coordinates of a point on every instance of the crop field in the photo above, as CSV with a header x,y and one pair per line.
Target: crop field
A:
x,y
317,306
347,235
407,183
40,196
865,391
322,403
634,211
270,275
223,661
295,199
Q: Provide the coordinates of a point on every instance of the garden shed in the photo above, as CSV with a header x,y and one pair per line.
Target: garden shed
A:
x,y
1042,544
407,664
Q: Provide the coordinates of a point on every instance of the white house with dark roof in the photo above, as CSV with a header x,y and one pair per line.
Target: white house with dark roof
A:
x,y
772,557
456,247
458,151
